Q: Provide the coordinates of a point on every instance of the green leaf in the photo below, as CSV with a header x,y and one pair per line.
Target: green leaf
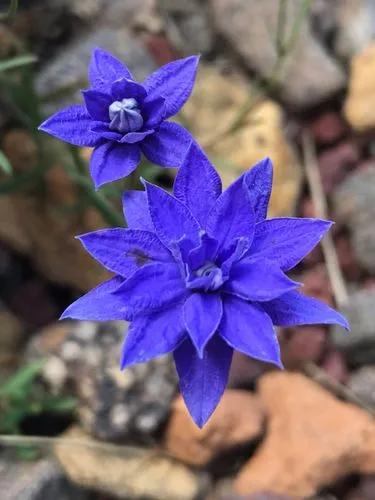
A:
x,y
5,165
18,386
12,10
17,62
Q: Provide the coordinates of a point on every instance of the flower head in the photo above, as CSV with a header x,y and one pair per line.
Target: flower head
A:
x,y
202,272
121,118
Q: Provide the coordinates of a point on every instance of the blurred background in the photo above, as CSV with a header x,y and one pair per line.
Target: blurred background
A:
x,y
289,79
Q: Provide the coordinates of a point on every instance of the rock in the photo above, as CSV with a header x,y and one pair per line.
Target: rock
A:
x,y
305,449
305,343
334,364
39,480
336,163
364,491
188,26
316,283
244,370
359,344
84,358
126,472
67,72
360,101
355,26
362,383
353,206
301,83
237,421
262,135
328,128
11,337
347,259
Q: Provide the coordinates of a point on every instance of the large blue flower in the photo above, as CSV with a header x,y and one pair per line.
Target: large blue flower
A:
x,y
202,273
122,118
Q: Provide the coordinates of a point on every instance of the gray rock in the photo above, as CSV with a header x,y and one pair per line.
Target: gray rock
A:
x,y
40,480
359,343
250,25
354,206
362,383
114,405
67,72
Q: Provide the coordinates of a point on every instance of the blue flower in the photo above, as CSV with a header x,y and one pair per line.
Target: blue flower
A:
x,y
122,118
201,273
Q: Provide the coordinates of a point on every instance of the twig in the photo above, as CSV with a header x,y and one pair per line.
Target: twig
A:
x,y
329,251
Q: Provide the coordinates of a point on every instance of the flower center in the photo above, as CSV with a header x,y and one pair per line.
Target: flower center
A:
x,y
125,116
208,277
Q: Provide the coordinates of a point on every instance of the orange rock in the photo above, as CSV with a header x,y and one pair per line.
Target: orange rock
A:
x,y
313,439
237,420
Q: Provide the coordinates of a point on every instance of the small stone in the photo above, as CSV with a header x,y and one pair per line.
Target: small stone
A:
x,y
127,472
334,364
301,83
359,106
327,128
354,207
55,373
362,383
238,420
313,440
305,343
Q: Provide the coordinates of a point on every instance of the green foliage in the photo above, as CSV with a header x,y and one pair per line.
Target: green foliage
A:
x,y
16,62
5,165
12,10
21,397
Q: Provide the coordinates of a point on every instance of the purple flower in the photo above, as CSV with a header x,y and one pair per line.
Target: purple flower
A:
x,y
201,273
122,118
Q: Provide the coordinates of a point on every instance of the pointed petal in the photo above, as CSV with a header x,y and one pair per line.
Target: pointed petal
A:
x,y
174,82
104,132
248,329
172,220
71,124
197,180
112,161
259,183
232,215
152,336
134,137
152,287
293,308
123,251
99,304
97,104
202,316
258,280
167,147
136,211
153,112
287,240
104,69
203,381
125,88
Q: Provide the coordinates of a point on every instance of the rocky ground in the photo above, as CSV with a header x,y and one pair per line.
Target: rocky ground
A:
x,y
305,433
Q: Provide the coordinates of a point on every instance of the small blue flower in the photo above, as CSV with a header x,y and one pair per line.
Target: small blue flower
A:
x,y
201,273
122,118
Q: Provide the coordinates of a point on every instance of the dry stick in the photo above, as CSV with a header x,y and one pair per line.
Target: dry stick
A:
x,y
334,272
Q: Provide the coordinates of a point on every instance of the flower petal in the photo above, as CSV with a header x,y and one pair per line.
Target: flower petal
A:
x,y
97,104
125,88
258,280
172,220
134,137
123,251
152,287
153,112
153,335
203,381
174,82
232,215
112,161
287,240
167,147
135,208
104,69
202,316
71,124
293,308
248,329
197,180
104,132
259,183
99,304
